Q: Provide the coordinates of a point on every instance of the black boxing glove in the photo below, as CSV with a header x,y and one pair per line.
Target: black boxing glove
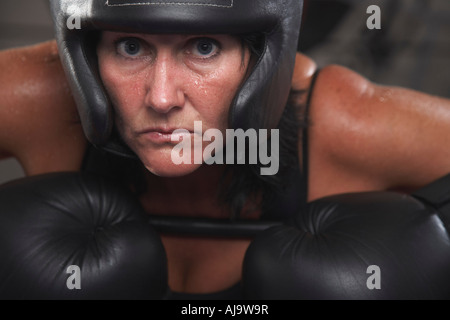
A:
x,y
77,236
378,245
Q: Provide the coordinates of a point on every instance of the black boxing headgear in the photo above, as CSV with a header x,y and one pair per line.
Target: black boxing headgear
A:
x,y
260,101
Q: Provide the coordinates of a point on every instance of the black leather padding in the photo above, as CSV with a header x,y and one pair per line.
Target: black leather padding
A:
x,y
326,252
53,221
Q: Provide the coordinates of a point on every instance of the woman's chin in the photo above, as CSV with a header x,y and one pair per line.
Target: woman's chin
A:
x,y
171,170
161,162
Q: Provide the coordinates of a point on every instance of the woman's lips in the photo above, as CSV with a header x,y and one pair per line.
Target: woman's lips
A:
x,y
166,136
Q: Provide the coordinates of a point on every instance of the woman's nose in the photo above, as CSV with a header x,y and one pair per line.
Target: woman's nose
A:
x,y
164,86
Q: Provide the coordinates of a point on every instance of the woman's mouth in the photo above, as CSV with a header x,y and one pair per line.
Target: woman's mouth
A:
x,y
162,135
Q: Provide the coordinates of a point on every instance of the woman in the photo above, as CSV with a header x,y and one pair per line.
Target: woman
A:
x,y
360,136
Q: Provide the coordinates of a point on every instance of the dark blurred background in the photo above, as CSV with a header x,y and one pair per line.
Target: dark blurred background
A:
x,y
411,50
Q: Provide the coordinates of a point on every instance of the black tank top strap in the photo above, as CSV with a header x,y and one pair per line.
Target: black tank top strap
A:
x,y
295,197
305,139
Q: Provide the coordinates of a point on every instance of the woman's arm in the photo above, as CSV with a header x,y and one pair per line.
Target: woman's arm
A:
x,y
39,123
369,137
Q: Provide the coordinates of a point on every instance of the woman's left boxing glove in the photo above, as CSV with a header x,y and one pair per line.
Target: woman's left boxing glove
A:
x,y
374,245
77,236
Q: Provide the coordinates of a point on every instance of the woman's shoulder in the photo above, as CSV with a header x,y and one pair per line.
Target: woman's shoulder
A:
x,y
337,124
32,77
39,119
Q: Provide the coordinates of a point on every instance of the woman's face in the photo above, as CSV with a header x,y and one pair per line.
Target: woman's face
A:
x,y
160,83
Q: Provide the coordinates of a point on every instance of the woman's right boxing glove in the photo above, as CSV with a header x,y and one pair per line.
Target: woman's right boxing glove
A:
x,y
77,236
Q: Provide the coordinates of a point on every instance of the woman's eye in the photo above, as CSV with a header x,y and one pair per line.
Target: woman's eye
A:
x,y
205,48
129,47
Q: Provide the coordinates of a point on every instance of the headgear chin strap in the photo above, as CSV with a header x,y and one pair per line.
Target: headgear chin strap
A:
x,y
258,104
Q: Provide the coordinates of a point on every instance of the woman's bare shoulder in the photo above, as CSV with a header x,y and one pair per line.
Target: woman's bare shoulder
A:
x,y
365,136
39,119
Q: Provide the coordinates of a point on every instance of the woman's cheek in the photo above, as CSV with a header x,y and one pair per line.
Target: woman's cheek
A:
x,y
221,91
